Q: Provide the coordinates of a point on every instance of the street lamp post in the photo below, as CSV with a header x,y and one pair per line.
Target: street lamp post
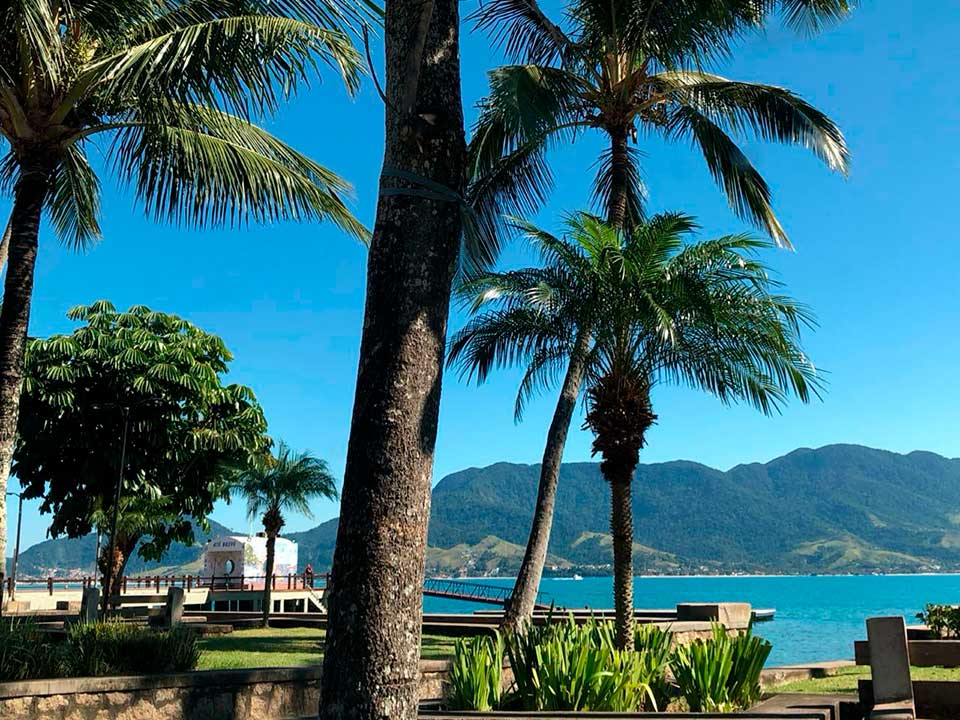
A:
x,y
16,548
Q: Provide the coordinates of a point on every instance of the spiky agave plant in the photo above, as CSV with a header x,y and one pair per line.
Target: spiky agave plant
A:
x,y
476,674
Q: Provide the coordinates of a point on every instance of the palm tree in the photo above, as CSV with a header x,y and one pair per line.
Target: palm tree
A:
x,y
626,69
286,482
167,91
656,310
371,663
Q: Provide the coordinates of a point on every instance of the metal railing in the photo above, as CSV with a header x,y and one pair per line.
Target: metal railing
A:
x,y
292,581
475,592
436,587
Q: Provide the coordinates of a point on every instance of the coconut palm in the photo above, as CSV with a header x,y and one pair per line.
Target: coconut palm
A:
x,y
166,91
656,310
287,482
626,69
374,608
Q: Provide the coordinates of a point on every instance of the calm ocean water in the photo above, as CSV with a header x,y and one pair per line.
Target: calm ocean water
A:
x,y
818,617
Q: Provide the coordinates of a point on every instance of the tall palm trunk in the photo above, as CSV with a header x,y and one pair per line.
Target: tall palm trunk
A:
x,y
620,415
268,571
29,195
371,664
621,528
5,245
272,524
619,177
520,609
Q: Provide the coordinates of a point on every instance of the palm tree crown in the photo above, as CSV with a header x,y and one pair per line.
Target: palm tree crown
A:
x,y
655,309
170,86
629,68
286,482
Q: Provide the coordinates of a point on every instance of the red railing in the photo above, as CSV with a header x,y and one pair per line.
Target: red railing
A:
x,y
291,581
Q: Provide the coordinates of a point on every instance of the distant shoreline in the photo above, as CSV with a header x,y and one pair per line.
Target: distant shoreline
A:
x,y
703,577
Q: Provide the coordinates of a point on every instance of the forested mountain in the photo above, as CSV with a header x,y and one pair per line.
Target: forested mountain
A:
x,y
75,557
840,508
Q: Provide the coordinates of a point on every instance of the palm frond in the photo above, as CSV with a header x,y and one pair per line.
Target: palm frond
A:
x,y
746,190
811,16
541,373
516,184
286,481
529,109
772,113
40,56
635,189
501,338
241,64
74,200
194,164
674,33
522,29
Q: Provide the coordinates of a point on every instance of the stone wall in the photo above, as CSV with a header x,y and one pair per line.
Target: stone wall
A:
x,y
275,693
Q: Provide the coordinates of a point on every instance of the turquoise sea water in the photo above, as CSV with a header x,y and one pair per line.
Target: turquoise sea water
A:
x,y
818,617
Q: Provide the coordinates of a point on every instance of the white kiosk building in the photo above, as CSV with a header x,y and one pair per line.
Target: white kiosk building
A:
x,y
243,559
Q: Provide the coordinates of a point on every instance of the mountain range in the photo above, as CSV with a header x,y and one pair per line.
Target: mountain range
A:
x,y
839,508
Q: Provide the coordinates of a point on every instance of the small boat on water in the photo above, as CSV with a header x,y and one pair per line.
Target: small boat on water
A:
x,y
578,577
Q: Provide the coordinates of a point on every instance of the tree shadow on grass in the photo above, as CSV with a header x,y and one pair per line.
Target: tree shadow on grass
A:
x,y
227,643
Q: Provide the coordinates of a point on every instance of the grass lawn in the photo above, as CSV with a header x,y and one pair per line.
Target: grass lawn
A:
x,y
285,647
846,680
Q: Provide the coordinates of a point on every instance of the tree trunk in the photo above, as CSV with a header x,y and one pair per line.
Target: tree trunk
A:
x,y
29,196
520,609
620,415
621,527
619,177
371,664
5,246
267,589
113,572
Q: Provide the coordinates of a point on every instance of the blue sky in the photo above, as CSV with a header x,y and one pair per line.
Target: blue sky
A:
x,y
876,258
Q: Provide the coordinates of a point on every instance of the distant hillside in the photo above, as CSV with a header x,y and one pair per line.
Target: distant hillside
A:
x,y
836,509
841,508
75,557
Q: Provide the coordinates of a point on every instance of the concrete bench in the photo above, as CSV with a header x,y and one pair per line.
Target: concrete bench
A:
x,y
891,696
163,610
834,707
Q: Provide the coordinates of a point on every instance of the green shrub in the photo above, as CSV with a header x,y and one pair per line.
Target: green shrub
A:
x,y
117,648
566,666
92,650
476,674
943,620
574,674
27,652
655,647
721,674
